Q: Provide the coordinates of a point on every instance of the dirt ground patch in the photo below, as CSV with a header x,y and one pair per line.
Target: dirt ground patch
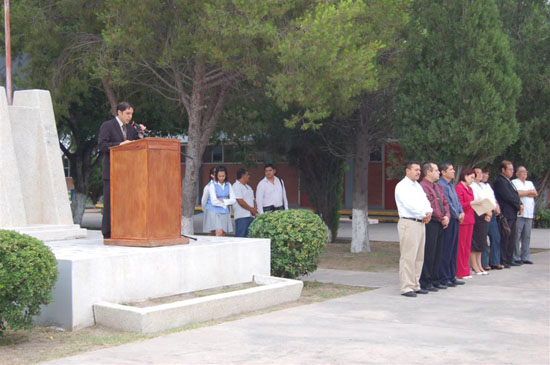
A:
x,y
384,256
42,344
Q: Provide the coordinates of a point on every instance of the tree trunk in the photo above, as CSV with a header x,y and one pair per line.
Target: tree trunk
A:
x,y
360,221
81,171
109,92
204,110
77,206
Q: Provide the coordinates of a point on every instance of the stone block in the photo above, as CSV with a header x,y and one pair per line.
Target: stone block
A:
x,y
272,291
38,157
12,213
93,273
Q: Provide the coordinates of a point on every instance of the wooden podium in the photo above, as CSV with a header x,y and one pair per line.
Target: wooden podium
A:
x,y
146,193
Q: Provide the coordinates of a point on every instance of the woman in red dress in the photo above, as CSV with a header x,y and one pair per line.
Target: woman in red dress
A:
x,y
466,227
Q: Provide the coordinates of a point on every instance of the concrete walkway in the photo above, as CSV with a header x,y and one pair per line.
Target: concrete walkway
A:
x,y
500,318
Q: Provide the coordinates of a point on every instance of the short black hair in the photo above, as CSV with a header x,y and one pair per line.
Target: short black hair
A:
x,y
412,162
212,172
444,166
241,172
123,105
269,165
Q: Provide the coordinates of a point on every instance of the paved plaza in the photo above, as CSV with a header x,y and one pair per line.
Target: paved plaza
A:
x,y
500,318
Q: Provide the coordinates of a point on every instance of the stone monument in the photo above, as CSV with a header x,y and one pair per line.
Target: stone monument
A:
x,y
33,192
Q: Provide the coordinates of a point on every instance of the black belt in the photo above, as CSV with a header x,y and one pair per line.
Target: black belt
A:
x,y
414,219
271,208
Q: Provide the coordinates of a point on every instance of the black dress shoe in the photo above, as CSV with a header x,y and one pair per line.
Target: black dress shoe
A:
x,y
431,288
513,264
409,294
506,266
440,286
519,262
459,282
421,291
528,262
450,284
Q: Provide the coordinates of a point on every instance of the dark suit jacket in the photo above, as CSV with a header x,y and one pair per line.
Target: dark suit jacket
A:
x,y
110,135
507,197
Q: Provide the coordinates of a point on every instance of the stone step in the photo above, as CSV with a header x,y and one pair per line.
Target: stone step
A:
x,y
270,292
53,232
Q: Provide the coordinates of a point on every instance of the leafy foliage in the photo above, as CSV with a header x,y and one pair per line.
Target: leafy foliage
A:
x,y
329,57
28,271
527,24
321,172
459,91
297,239
542,218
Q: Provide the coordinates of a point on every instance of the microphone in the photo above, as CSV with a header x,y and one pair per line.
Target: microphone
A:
x,y
138,129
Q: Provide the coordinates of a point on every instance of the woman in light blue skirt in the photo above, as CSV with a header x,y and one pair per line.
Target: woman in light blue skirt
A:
x,y
220,198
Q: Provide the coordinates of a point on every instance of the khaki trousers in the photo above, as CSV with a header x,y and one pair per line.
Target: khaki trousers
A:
x,y
411,247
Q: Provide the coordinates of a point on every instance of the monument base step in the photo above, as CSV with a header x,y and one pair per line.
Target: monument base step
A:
x,y
52,232
270,292
91,272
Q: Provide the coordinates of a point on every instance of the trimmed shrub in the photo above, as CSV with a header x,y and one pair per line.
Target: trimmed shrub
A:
x,y
28,271
542,218
297,239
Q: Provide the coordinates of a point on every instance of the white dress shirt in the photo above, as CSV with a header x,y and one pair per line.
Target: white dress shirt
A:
x,y
206,194
271,194
527,201
488,192
244,192
214,198
411,199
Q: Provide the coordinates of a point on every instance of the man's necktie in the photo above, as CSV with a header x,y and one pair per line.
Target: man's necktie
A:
x,y
124,132
441,206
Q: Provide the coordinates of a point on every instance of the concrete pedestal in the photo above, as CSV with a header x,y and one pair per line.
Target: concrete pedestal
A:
x,y
33,192
90,273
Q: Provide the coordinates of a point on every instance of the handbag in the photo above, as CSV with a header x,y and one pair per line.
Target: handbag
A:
x,y
503,225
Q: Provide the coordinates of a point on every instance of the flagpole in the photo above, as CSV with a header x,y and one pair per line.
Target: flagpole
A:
x,y
8,50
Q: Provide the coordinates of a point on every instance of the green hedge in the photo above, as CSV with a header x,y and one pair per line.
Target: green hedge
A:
x,y
28,271
542,218
297,239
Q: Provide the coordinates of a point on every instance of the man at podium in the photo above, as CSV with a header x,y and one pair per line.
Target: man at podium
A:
x,y
112,133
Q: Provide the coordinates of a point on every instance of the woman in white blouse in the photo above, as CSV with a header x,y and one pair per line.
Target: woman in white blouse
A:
x,y
217,210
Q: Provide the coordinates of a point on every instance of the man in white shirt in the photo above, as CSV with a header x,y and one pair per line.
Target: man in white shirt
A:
x,y
414,212
245,208
271,192
527,194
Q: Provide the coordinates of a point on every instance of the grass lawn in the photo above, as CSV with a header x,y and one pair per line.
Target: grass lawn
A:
x,y
42,344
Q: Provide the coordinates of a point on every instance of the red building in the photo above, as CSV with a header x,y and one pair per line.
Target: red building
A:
x,y
381,188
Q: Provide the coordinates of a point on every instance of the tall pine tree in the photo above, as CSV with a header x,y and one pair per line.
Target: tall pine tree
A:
x,y
459,92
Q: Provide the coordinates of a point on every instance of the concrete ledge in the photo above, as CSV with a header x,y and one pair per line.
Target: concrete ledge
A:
x,y
162,317
91,272
52,232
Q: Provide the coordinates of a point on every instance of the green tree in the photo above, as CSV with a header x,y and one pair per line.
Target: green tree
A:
x,y
459,91
321,172
527,24
195,53
62,42
337,63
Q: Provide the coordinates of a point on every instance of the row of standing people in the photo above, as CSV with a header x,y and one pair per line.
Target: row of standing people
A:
x,y
219,197
441,236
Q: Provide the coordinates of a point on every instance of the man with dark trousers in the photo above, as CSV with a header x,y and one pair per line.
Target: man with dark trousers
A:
x,y
112,133
510,204
441,215
447,269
